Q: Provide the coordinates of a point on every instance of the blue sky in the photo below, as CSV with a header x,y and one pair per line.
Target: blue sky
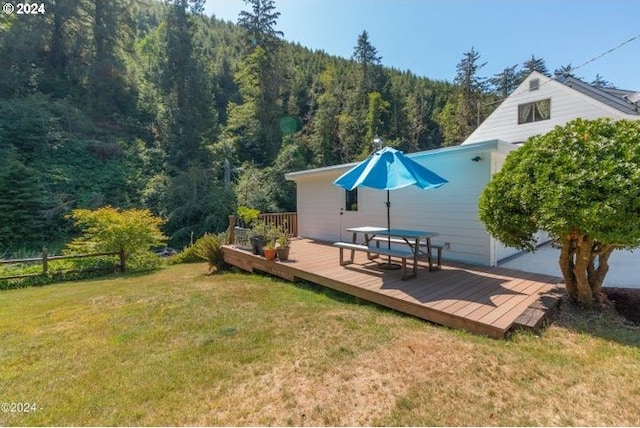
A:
x,y
429,37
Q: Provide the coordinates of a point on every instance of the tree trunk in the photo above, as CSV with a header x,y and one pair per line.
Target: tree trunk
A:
x,y
567,266
583,259
583,280
596,276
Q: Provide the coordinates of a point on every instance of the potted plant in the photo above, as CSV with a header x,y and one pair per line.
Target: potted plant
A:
x,y
247,216
259,232
243,233
283,246
269,251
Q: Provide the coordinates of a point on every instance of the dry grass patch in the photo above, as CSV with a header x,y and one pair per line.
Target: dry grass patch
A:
x,y
178,347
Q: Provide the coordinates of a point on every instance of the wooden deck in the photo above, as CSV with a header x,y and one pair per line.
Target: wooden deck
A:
x,y
482,300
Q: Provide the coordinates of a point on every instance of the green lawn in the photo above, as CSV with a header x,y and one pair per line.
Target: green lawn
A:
x,y
178,347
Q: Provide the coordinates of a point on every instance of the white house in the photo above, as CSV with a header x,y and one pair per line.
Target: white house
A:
x,y
541,103
535,107
325,210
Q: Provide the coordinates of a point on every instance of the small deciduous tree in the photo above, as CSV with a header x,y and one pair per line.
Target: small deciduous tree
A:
x,y
109,229
579,182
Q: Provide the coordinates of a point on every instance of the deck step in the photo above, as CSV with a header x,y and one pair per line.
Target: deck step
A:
x,y
533,318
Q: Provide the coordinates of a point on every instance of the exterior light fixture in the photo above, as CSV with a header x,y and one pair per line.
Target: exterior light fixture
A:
x,y
377,143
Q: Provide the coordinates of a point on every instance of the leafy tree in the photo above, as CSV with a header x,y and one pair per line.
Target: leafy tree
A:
x,y
198,203
324,123
108,229
260,24
374,122
581,183
290,158
255,188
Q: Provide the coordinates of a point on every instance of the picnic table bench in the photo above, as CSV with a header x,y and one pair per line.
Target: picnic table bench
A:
x,y
402,254
411,238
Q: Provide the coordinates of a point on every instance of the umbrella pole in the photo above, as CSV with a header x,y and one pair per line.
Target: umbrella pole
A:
x,y
388,226
389,265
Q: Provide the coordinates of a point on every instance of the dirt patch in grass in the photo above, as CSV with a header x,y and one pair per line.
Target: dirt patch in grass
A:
x,y
627,302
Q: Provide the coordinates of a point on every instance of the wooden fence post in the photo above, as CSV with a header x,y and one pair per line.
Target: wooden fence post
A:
x,y
230,231
122,260
45,261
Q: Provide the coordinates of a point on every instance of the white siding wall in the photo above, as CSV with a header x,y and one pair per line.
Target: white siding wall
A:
x,y
566,104
450,210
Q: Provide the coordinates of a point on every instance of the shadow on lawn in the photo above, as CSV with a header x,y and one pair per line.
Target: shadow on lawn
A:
x,y
605,323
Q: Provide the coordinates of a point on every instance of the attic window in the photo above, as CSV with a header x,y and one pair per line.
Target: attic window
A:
x,y
534,84
534,112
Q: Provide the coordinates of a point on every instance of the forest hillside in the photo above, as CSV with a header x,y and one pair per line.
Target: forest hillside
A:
x,y
146,104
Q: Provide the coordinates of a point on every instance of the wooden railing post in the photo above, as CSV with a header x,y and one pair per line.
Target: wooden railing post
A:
x,y
123,260
230,231
45,261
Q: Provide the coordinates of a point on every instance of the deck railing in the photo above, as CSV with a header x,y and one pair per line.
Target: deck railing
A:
x,y
287,222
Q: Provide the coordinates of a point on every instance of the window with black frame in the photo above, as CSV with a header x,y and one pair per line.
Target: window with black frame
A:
x,y
351,200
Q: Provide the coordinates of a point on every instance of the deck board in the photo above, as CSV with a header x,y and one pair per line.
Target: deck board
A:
x,y
479,299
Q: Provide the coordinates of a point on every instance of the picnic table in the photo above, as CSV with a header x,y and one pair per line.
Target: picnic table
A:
x,y
417,241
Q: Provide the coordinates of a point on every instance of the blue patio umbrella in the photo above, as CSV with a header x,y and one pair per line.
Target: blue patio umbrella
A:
x,y
389,169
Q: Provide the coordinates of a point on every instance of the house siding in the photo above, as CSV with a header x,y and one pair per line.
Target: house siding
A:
x,y
566,104
450,210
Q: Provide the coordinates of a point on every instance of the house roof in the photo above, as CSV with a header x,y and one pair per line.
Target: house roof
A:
x,y
610,96
482,146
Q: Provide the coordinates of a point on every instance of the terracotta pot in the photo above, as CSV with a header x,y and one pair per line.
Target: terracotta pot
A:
x,y
269,253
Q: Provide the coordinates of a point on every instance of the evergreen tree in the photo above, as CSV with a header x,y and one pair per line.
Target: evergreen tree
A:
x,y
21,208
252,126
531,65
413,110
505,82
461,116
66,49
600,82
366,55
187,90
260,23
561,74
112,32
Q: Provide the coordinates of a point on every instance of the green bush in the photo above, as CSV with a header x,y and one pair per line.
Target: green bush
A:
x,y
209,248
187,255
111,230
142,261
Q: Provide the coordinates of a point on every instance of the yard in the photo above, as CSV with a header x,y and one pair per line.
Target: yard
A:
x,y
178,347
